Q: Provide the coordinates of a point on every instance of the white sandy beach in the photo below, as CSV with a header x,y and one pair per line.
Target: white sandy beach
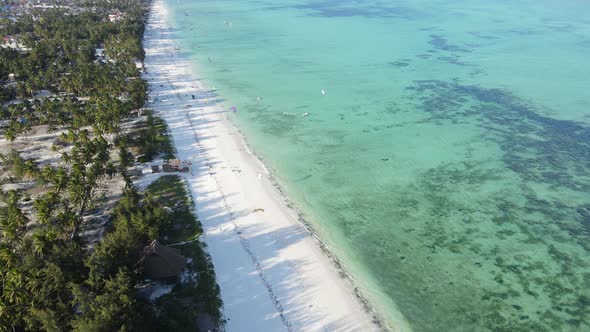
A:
x,y
271,270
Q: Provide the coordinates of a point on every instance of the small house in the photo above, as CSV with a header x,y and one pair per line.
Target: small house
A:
x,y
161,262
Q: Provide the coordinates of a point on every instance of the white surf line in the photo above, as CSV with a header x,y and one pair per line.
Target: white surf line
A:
x,y
272,274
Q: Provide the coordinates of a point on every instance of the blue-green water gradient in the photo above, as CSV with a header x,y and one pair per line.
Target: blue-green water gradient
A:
x,y
447,162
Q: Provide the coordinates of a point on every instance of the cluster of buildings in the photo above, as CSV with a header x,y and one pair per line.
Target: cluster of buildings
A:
x,y
12,42
116,16
101,56
13,9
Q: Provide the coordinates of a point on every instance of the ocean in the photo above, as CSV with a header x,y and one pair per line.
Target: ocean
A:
x,y
440,148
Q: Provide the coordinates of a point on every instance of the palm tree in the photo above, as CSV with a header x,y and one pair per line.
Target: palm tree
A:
x,y
30,88
10,133
41,242
43,207
14,291
47,174
7,258
12,220
30,169
60,180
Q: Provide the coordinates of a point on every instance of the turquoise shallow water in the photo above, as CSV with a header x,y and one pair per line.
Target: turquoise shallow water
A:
x,y
448,162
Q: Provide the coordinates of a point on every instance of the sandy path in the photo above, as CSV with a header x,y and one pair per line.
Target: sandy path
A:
x,y
272,273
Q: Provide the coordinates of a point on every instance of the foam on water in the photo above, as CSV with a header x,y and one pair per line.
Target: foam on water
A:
x,y
447,163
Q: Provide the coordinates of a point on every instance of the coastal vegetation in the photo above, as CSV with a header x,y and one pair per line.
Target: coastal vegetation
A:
x,y
72,224
202,298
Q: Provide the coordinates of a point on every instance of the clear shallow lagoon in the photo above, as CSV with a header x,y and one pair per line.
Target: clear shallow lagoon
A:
x,y
448,163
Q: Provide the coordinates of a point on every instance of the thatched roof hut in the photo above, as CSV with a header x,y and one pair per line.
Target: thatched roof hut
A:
x,y
161,262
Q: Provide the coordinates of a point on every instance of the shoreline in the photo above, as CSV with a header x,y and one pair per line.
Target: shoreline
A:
x,y
320,294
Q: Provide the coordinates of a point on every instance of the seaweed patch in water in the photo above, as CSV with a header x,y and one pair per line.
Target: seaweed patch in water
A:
x,y
399,63
442,43
538,147
424,55
453,59
549,272
334,8
483,36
